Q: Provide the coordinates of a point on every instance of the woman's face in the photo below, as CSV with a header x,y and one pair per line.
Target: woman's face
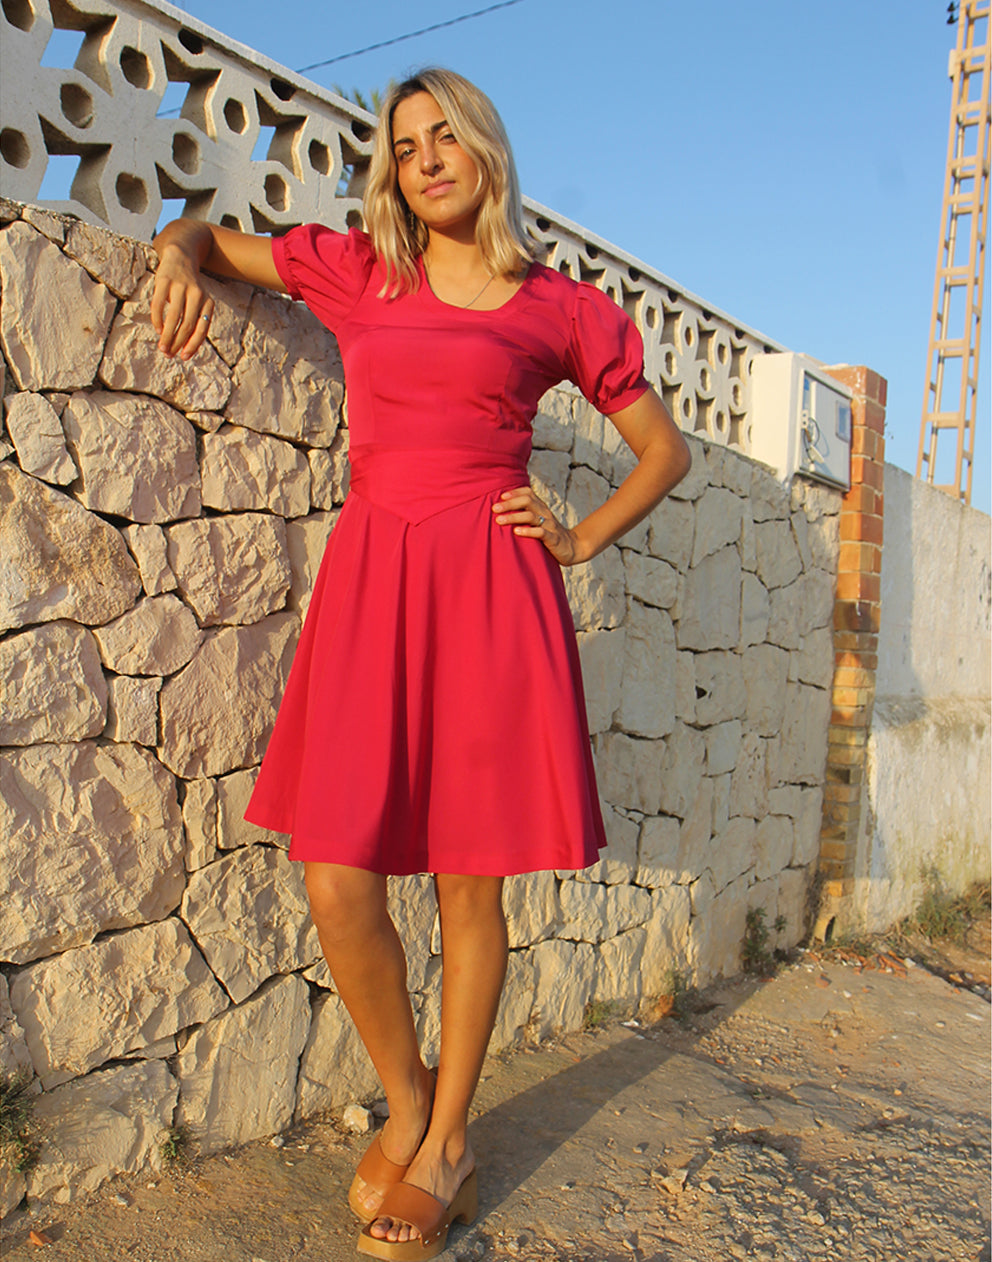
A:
x,y
436,176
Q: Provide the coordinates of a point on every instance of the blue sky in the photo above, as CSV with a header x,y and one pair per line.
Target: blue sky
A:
x,y
783,159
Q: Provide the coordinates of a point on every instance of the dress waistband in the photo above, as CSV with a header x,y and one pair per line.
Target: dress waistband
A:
x,y
417,482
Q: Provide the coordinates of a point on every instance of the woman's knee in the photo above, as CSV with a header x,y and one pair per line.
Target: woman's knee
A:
x,y
469,899
343,899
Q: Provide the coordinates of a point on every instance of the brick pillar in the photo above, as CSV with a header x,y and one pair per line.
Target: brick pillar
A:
x,y
856,620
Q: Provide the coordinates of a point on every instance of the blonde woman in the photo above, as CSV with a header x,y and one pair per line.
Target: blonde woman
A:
x,y
434,719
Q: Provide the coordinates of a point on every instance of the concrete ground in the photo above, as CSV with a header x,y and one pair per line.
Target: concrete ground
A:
x,y
834,1112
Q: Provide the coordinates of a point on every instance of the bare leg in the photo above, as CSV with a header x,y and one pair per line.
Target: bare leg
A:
x,y
367,963
474,950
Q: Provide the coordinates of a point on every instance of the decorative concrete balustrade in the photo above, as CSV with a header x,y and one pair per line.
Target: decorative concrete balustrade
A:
x,y
158,107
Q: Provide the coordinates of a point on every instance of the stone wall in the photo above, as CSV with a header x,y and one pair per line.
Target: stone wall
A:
x,y
928,781
160,527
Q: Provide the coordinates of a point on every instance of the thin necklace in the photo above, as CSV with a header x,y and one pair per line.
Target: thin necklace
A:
x,y
463,305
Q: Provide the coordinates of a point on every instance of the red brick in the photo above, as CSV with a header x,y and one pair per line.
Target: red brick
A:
x,y
861,499
849,716
876,387
860,558
833,851
848,735
853,677
866,442
855,642
865,472
864,588
861,526
857,659
841,756
850,375
874,419
856,615
837,889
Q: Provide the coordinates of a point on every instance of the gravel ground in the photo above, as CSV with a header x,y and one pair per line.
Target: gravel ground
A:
x,y
833,1112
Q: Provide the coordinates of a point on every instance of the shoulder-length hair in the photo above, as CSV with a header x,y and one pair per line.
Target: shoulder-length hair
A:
x,y
398,237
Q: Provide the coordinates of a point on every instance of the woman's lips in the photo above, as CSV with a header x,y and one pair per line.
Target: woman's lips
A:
x,y
438,190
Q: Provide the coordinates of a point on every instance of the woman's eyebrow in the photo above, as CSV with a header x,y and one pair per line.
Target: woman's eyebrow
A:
x,y
433,129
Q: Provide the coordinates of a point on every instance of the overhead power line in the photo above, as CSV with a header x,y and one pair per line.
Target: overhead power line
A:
x,y
398,39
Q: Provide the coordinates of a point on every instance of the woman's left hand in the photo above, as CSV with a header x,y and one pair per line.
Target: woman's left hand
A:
x,y
524,510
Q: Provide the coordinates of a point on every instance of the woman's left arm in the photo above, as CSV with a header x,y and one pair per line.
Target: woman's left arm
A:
x,y
663,460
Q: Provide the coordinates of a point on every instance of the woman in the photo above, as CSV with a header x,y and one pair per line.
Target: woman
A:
x,y
434,719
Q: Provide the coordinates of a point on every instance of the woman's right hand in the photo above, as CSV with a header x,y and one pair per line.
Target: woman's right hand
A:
x,y
181,307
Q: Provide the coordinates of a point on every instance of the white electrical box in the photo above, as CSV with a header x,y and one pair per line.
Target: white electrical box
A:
x,y
800,419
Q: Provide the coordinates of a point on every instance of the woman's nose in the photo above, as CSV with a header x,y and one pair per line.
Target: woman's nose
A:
x,y
429,160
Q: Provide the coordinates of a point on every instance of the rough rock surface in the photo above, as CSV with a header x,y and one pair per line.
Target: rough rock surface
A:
x,y
237,1073
132,361
217,713
335,1069
200,822
36,432
93,842
157,637
149,548
246,470
136,456
115,262
94,1003
647,700
132,709
49,346
14,1055
289,380
306,539
54,689
233,830
42,535
249,914
231,569
100,1125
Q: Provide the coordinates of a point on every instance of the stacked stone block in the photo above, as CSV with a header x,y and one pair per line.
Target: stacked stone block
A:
x,y
160,528
856,624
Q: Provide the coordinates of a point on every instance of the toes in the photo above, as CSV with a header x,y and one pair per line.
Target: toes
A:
x,y
393,1230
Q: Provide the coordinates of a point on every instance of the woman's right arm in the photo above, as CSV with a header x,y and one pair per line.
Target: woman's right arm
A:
x,y
181,307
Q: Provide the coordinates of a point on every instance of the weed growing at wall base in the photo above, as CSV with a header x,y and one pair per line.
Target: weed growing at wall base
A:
x,y
175,1146
17,1143
755,955
941,914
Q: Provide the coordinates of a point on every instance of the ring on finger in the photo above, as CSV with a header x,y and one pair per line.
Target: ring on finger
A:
x,y
540,521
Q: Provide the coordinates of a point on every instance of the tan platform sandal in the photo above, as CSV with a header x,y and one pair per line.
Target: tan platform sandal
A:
x,y
375,1175
431,1217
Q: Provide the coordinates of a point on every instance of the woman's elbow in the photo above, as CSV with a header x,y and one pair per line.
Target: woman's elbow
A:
x,y
681,457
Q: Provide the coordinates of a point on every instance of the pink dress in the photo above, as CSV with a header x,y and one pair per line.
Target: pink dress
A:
x,y
434,718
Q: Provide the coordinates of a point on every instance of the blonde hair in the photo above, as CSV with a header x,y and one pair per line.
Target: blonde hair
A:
x,y
398,237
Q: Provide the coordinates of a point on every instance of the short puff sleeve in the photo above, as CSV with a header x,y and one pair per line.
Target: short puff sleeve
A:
x,y
605,354
325,269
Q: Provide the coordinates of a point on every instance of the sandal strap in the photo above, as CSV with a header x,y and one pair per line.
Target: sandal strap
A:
x,y
375,1167
409,1204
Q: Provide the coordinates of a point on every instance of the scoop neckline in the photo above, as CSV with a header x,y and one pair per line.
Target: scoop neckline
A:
x,y
431,296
